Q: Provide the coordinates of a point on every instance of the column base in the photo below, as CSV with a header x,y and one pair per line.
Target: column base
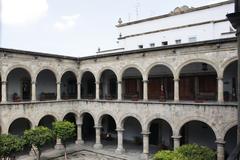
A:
x,y
144,156
120,150
59,146
79,142
98,146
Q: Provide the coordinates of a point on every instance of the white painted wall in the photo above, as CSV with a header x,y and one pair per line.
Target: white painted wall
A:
x,y
203,32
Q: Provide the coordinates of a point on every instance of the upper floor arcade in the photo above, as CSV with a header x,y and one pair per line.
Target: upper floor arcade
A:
x,y
199,72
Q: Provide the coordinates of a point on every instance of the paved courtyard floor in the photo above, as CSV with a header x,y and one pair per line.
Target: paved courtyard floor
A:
x,y
87,152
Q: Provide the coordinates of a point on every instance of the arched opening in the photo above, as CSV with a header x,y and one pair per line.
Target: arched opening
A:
x,y
193,131
160,83
71,117
88,130
108,130
18,126
198,82
132,85
230,82
46,87
108,85
69,86
160,137
47,121
132,138
231,141
19,85
88,86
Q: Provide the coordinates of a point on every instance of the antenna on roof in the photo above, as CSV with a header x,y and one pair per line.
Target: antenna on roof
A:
x,y
138,5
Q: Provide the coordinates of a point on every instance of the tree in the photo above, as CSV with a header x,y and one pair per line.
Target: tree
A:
x,y
10,145
37,138
64,130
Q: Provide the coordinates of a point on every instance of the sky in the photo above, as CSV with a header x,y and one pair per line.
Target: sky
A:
x,y
74,27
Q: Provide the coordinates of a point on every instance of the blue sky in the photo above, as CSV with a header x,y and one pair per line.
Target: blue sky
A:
x,y
74,27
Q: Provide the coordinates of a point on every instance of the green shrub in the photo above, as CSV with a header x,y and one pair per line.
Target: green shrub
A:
x,y
196,152
168,155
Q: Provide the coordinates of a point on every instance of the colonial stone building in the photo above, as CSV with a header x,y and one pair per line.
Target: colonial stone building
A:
x,y
152,98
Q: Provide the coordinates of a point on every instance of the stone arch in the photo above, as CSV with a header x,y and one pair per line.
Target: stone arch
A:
x,y
26,68
226,64
72,70
32,122
177,128
120,123
19,132
131,66
75,113
154,117
54,71
223,131
179,68
88,112
55,116
100,72
102,114
84,71
150,67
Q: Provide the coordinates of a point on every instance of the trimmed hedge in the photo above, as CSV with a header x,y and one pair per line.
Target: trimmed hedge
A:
x,y
186,152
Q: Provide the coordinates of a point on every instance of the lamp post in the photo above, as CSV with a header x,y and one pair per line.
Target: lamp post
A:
x,y
234,18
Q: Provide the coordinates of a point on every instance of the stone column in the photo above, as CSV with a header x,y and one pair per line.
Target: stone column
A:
x,y
79,134
33,91
176,90
79,90
119,90
4,91
98,144
59,144
145,90
58,91
220,149
220,90
145,145
176,141
120,148
97,90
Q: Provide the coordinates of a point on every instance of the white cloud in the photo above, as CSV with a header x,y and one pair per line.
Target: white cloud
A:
x,y
66,22
22,12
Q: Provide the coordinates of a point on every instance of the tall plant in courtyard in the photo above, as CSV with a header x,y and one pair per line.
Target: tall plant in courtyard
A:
x,y
186,152
37,138
10,145
64,130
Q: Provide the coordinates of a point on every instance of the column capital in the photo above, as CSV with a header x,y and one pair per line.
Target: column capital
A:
x,y
4,82
97,127
58,83
176,137
219,78
220,141
176,79
145,133
145,81
79,123
119,82
33,82
120,130
79,83
97,82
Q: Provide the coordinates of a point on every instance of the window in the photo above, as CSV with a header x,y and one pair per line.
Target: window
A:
x,y
192,39
140,46
165,43
152,44
178,41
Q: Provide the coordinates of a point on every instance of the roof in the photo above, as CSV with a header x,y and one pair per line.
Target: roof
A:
x,y
174,14
120,53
